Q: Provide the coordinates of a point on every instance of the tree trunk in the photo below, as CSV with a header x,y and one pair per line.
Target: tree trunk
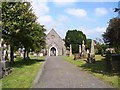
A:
x,y
27,54
11,54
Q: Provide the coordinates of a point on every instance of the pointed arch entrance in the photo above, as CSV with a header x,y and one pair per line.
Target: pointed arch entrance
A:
x,y
53,51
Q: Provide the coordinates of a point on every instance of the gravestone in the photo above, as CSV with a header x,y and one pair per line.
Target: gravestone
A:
x,y
87,52
5,67
67,52
83,50
4,63
80,51
91,55
112,62
41,54
76,56
115,62
70,50
108,62
1,70
35,54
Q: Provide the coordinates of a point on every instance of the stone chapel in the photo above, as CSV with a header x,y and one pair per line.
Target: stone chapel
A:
x,y
55,46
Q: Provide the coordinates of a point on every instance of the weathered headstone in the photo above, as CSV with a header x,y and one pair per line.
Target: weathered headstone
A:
x,y
76,56
80,49
35,54
88,51
108,62
67,52
41,54
1,51
92,50
91,55
70,50
4,63
83,50
1,72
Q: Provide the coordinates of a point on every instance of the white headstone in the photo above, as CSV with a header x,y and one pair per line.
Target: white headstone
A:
x,y
40,54
92,50
80,49
70,50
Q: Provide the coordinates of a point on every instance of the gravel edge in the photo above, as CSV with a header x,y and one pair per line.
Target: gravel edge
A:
x,y
35,81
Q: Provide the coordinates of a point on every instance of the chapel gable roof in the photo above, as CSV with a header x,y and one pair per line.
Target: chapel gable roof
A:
x,y
53,32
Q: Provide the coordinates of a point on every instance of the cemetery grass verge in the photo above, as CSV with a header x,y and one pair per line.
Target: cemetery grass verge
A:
x,y
97,69
23,73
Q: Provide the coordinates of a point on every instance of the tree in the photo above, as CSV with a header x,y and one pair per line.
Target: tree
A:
x,y
17,25
26,24
38,37
88,43
112,34
75,38
100,48
10,25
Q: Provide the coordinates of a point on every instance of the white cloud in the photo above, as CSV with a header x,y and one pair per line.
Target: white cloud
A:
x,y
101,11
100,29
77,12
46,19
40,8
93,32
75,0
65,0
64,3
63,19
57,23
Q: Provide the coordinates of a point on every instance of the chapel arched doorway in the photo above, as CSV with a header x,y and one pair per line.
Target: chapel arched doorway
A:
x,y
53,51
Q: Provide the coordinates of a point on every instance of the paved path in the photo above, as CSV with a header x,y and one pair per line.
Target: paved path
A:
x,y
59,73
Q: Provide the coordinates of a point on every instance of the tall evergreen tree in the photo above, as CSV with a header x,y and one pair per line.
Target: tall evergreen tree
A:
x,y
75,38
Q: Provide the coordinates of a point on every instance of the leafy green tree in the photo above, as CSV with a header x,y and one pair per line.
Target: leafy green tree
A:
x,y
38,37
10,25
100,48
27,20
88,43
112,34
75,38
19,27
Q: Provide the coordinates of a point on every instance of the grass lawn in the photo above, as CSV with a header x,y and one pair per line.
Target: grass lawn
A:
x,y
97,69
23,73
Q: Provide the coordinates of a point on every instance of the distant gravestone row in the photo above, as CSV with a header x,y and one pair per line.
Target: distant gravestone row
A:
x,y
90,54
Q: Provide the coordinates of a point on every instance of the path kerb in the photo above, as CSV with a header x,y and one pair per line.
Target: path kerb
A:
x,y
36,80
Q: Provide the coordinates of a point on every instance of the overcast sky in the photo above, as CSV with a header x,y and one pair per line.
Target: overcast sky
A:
x,y
62,15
